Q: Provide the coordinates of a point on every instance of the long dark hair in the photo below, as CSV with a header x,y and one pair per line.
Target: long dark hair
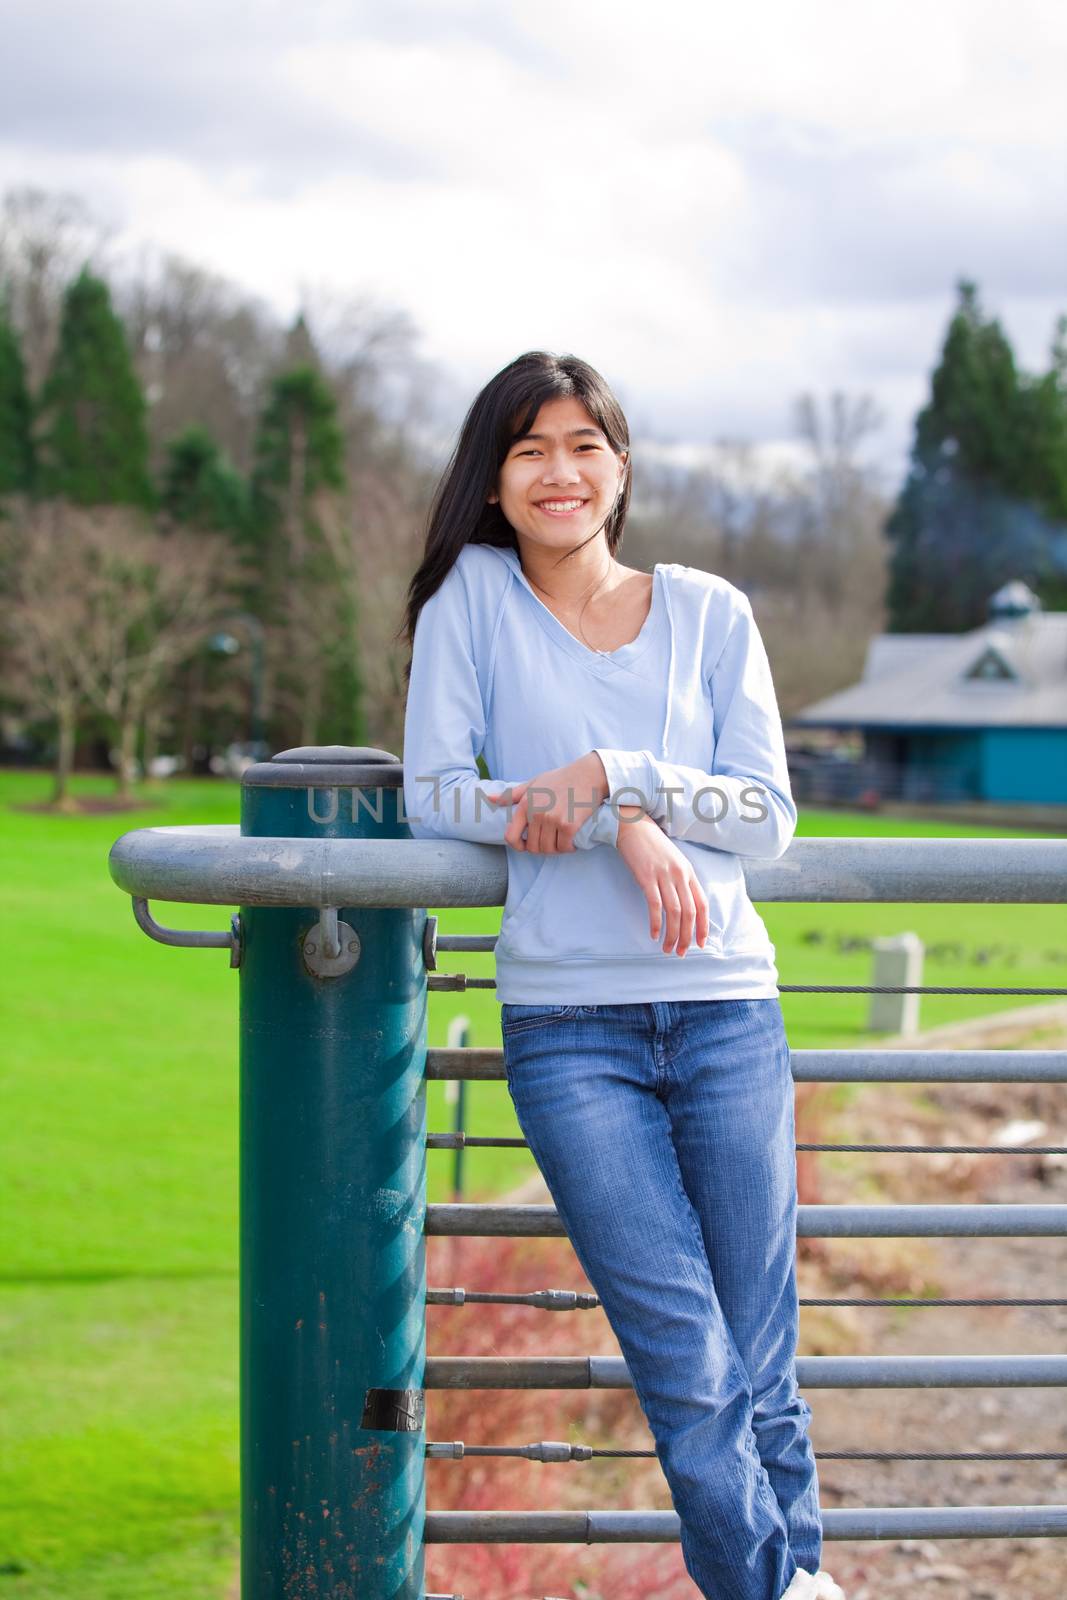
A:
x,y
502,412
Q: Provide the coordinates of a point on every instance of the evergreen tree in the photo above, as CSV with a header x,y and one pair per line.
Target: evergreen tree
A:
x,y
982,470
299,453
341,719
201,488
974,407
299,450
94,447
300,348
16,414
1045,430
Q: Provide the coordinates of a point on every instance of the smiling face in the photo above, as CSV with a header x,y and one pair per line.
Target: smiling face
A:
x,y
557,484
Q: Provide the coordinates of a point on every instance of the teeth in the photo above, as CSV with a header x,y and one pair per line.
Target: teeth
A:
x,y
561,505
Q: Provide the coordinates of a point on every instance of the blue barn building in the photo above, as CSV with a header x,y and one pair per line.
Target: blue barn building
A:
x,y
962,716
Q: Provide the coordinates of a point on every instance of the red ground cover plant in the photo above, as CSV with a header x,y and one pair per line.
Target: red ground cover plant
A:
x,y
602,1418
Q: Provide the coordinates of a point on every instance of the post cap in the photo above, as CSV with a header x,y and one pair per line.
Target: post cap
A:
x,y
327,766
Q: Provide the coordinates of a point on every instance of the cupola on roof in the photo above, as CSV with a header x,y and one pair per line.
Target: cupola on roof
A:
x,y
1014,599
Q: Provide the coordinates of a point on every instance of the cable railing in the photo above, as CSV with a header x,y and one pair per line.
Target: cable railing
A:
x,y
337,958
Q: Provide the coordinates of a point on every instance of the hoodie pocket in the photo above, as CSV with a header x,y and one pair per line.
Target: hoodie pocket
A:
x,y
586,904
516,914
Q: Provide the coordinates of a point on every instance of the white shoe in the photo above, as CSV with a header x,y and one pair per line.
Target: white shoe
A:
x,y
819,1585
802,1586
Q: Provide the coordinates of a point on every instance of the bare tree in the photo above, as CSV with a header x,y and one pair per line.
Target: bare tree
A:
x,y
846,507
801,535
373,535
44,623
45,239
104,610
819,623
151,599
203,348
366,347
298,657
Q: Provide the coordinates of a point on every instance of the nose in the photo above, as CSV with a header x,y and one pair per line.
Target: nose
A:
x,y
560,468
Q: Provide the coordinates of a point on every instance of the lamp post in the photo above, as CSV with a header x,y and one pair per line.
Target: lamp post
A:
x,y
225,644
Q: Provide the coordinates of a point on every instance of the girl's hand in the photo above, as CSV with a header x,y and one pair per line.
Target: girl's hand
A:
x,y
560,802
666,877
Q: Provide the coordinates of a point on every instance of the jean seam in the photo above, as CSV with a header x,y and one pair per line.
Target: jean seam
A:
x,y
751,1482
698,1239
737,1367
524,1024
530,1027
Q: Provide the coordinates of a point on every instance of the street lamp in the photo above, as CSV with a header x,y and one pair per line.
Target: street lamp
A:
x,y
226,644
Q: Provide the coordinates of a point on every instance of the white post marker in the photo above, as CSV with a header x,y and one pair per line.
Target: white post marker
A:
x,y
898,959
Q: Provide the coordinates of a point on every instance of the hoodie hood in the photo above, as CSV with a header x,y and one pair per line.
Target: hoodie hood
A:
x,y
511,560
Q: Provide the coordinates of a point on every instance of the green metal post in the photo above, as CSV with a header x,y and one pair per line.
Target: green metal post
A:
x,y
333,1201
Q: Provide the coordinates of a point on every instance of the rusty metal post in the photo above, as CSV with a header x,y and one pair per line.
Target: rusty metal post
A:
x,y
333,1200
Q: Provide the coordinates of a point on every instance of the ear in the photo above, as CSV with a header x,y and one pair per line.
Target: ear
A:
x,y
492,498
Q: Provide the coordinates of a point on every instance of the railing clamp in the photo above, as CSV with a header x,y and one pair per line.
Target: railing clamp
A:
x,y
331,948
429,944
188,938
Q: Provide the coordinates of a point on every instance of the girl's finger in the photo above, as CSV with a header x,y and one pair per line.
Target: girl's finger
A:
x,y
672,908
688,919
514,793
516,827
703,918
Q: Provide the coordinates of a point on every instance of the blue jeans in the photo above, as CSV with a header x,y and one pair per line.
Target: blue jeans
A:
x,y
665,1133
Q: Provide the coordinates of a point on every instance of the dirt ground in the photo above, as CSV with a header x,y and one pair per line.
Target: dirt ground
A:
x,y
986,1420
939,1420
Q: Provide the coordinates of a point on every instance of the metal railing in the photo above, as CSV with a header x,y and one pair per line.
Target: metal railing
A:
x,y
336,958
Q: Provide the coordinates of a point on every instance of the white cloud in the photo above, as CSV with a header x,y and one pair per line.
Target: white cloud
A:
x,y
718,206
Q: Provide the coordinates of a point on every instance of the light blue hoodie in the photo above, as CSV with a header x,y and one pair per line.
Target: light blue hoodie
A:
x,y
685,720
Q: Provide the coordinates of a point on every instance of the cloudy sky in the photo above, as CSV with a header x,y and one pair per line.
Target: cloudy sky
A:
x,y
717,205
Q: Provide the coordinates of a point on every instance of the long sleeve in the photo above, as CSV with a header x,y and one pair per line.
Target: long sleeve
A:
x,y
744,804
444,733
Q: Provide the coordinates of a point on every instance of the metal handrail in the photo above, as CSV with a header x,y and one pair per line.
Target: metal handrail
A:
x,y
813,1372
481,1220
829,1066
661,1527
219,865
216,865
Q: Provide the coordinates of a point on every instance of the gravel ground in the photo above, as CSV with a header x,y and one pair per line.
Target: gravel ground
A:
x,y
986,1420
940,1420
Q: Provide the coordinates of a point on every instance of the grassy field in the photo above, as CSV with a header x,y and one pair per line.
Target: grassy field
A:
x,y
118,1177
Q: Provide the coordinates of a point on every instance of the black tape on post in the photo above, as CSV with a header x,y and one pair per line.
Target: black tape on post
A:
x,y
394,1410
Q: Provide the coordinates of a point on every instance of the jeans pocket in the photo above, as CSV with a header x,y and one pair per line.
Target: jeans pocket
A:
x,y
516,1018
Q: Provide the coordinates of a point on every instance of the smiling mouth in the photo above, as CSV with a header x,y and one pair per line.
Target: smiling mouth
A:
x,y
560,508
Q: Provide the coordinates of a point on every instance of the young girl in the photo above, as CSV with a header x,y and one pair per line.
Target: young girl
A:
x,y
630,724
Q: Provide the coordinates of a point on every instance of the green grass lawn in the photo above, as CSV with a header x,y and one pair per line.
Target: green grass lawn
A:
x,y
118,1182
